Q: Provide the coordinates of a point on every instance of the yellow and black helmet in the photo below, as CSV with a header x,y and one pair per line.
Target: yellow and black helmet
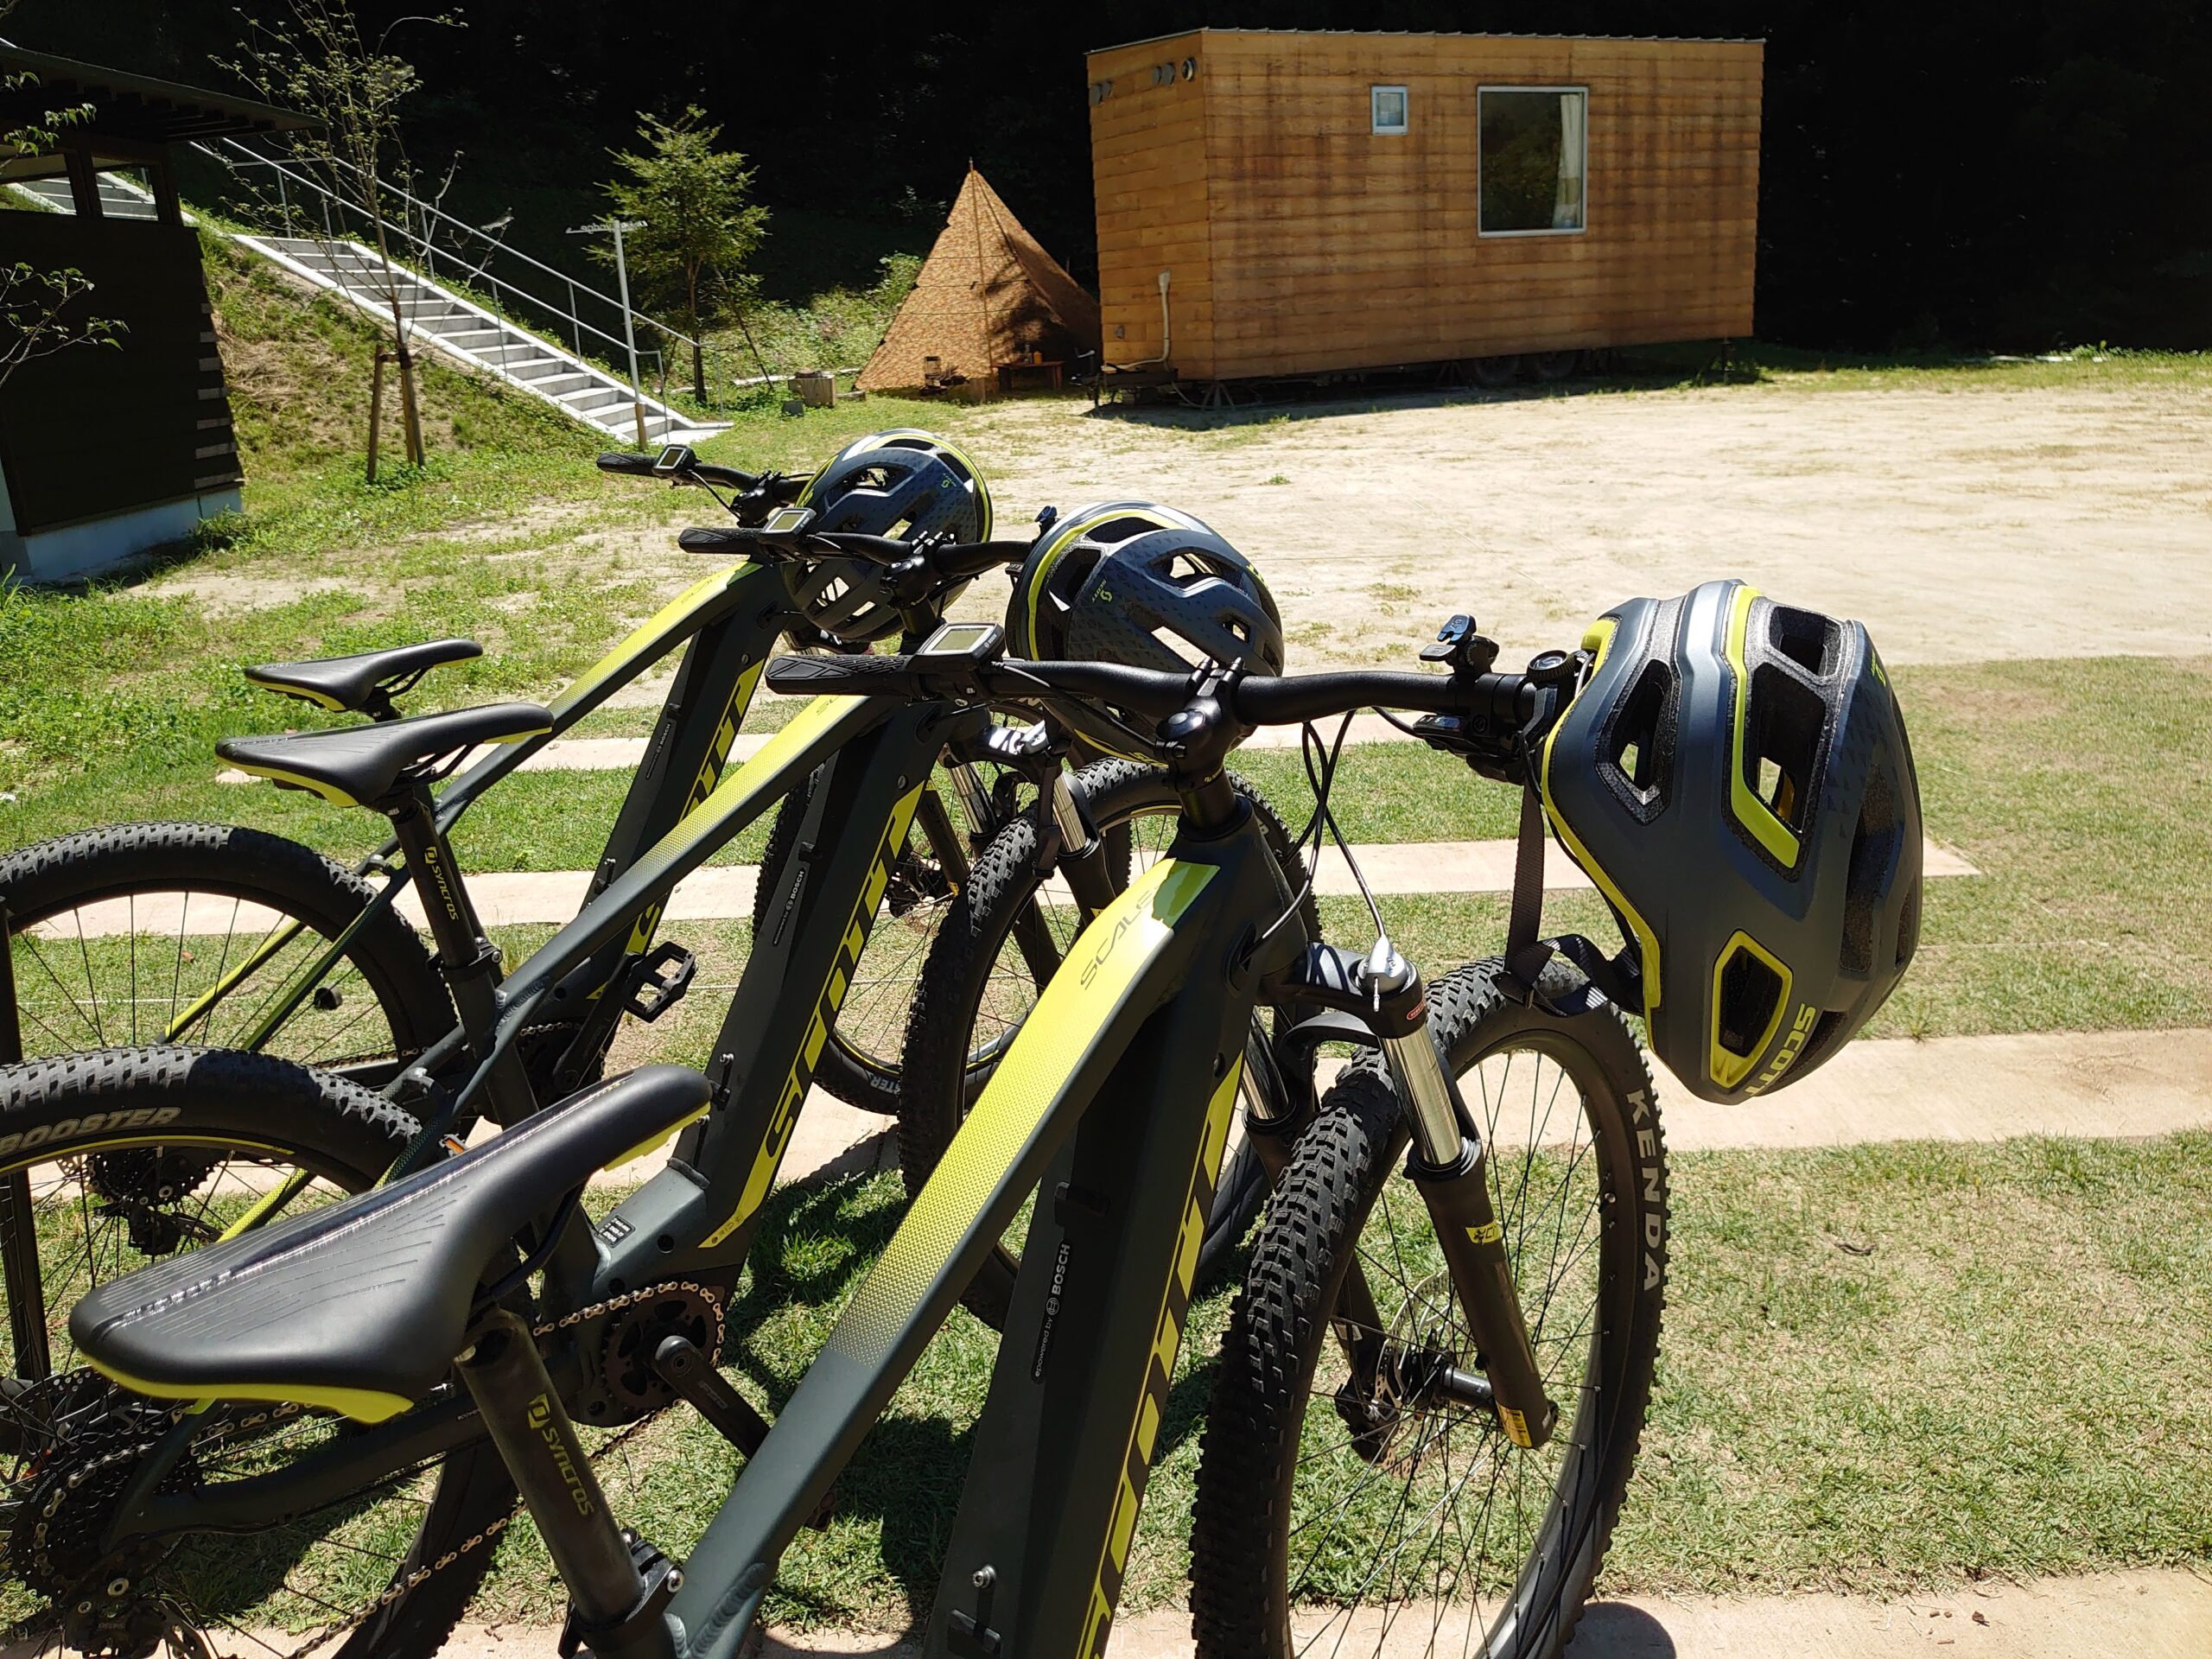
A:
x,y
1736,778
1144,586
901,482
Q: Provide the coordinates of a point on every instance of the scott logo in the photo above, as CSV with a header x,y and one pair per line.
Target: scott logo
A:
x,y
1792,1046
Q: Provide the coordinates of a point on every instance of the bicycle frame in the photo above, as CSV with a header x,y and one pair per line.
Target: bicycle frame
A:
x,y
1147,1011
730,621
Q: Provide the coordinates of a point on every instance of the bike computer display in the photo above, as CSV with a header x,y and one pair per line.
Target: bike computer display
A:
x,y
979,642
673,458
787,521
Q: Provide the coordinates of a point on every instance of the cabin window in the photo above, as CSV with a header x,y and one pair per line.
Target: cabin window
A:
x,y
1388,105
1531,158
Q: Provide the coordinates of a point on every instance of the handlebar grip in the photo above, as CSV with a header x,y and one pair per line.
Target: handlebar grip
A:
x,y
846,677
617,461
719,539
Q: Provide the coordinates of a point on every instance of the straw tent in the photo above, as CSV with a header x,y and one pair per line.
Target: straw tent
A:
x,y
988,294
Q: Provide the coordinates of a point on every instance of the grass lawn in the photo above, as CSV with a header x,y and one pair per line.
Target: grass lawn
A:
x,y
1883,1367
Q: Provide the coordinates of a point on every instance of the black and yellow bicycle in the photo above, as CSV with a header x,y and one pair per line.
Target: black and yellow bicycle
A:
x,y
322,1422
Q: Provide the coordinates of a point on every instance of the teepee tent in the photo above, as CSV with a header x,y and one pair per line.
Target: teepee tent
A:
x,y
987,295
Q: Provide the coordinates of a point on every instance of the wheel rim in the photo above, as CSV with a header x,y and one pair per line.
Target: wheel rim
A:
x,y
177,962
1443,1536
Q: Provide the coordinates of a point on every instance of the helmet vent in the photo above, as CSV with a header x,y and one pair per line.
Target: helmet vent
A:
x,y
1781,745
1806,638
1175,646
1750,997
1874,850
1638,753
1120,530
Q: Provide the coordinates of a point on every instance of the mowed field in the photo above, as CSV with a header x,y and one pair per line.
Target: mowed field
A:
x,y
1890,1370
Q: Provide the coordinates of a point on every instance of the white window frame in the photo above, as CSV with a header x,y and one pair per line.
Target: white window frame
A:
x,y
1578,230
1374,115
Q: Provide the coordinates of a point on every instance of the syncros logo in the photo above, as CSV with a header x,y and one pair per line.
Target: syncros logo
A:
x,y
825,1015
1159,1369
1793,1045
444,883
69,1128
710,774
1647,1170
541,1419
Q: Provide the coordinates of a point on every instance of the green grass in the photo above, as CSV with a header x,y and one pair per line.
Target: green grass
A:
x,y
1883,1367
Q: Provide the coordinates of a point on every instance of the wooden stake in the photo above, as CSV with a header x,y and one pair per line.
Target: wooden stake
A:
x,y
376,409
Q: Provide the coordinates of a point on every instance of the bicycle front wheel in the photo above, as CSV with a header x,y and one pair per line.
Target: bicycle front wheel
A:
x,y
1346,1509
217,937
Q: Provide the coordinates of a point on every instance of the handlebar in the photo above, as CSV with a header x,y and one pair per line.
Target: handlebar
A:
x,y
945,561
777,488
1291,700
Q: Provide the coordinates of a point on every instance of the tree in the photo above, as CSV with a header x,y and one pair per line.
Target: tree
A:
x,y
316,59
37,306
700,224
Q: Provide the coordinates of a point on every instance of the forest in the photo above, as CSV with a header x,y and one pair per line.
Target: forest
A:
x,y
1974,176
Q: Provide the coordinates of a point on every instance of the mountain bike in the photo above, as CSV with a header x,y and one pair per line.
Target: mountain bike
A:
x,y
298,958
399,1328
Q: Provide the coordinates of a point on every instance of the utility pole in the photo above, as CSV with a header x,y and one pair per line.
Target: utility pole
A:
x,y
629,327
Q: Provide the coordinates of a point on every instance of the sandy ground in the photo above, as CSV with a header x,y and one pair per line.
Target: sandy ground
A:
x,y
1960,524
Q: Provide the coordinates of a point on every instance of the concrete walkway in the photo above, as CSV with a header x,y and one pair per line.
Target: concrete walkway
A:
x,y
719,891
2137,1615
2117,1085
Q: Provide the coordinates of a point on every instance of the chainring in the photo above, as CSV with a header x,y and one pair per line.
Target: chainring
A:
x,y
635,1333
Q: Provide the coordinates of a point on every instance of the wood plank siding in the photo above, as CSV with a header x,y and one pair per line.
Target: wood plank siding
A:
x,y
1301,241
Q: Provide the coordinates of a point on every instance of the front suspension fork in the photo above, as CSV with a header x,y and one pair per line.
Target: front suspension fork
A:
x,y
1449,1166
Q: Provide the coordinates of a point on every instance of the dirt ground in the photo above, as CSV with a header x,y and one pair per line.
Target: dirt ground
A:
x,y
1959,524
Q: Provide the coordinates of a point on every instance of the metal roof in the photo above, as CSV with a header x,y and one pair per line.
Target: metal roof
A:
x,y
1442,35
131,107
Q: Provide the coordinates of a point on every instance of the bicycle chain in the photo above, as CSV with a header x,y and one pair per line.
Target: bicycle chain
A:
x,y
412,1581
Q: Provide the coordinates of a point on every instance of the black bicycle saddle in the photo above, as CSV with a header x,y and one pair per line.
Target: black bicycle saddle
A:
x,y
361,766
364,682
361,1306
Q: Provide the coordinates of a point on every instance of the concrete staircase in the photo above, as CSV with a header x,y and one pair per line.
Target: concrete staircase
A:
x,y
445,320
119,198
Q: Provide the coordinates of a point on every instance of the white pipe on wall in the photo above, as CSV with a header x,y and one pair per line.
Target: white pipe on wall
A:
x,y
1165,337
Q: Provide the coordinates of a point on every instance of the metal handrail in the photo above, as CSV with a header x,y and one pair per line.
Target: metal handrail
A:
x,y
404,229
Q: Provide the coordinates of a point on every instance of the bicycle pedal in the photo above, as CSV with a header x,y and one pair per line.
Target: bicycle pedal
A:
x,y
660,981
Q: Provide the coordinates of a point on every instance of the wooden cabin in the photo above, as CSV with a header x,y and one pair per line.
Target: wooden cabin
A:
x,y
107,451
1278,204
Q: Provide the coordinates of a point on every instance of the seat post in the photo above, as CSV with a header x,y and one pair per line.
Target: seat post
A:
x,y
469,960
522,1412
464,953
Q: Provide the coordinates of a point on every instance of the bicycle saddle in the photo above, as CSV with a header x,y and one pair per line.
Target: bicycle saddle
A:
x,y
361,766
361,1306
363,683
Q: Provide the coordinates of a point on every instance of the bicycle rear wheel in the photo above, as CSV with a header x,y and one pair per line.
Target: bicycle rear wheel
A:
x,y
128,1155
1345,1510
862,1064
216,936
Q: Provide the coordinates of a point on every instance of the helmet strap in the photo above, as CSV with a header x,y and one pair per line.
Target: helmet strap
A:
x,y
1525,953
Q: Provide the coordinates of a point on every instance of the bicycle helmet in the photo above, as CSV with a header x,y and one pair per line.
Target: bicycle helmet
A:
x,y
1735,778
1143,586
901,482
